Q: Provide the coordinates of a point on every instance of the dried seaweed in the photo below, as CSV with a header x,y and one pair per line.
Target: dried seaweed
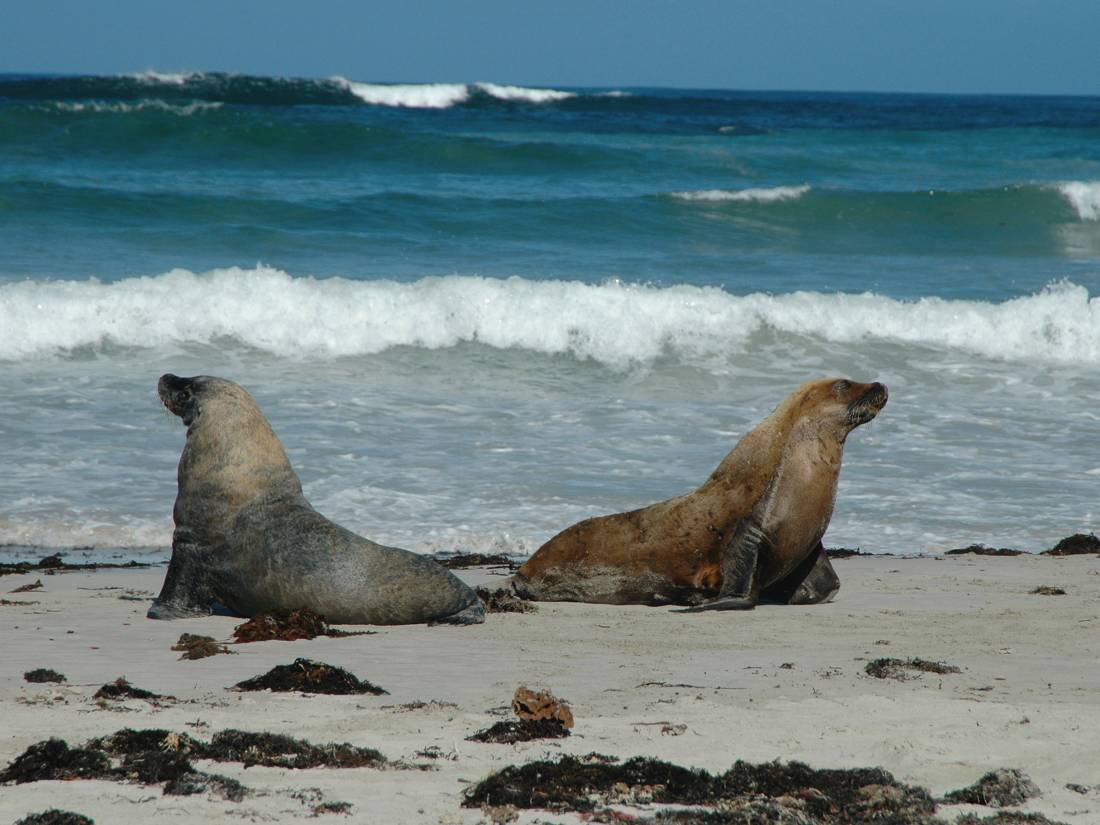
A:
x,y
899,668
289,627
534,705
199,647
997,789
503,600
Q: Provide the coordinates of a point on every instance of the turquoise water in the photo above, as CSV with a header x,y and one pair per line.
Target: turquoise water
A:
x,y
477,313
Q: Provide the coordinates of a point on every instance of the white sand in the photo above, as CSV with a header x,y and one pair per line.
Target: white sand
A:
x,y
1028,696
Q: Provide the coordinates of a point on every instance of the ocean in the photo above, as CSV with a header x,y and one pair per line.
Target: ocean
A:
x,y
477,313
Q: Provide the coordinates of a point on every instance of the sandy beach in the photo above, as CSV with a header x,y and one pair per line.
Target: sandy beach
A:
x,y
704,690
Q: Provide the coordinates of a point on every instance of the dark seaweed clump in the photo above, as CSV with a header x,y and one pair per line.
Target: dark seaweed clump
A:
x,y
461,560
54,759
127,742
55,563
521,730
997,789
121,689
828,796
152,757
1007,818
502,600
308,676
192,646
273,750
1047,590
43,674
1075,545
898,668
331,808
845,552
55,816
982,550
196,782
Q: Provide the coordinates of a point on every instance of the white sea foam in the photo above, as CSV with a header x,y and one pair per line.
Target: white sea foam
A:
x,y
173,78
1084,196
411,95
763,195
183,109
442,95
614,324
522,93
83,529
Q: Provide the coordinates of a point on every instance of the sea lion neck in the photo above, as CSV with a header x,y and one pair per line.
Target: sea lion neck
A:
x,y
232,458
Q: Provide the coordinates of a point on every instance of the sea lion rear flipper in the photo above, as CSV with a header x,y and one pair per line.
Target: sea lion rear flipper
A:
x,y
814,581
740,587
471,614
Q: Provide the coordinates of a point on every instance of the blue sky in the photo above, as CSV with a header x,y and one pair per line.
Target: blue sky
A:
x,y
885,45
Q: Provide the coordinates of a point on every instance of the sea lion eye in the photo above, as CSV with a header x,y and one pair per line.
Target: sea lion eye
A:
x,y
841,386
181,396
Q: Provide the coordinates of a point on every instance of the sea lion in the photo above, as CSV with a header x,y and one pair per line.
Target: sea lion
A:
x,y
753,528
247,539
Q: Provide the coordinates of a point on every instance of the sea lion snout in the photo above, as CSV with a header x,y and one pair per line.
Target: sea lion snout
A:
x,y
875,396
868,404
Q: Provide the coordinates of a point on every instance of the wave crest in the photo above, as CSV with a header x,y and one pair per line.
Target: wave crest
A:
x,y
524,94
613,324
99,106
1083,197
773,194
413,96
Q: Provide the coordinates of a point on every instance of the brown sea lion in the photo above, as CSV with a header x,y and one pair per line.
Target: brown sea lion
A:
x,y
753,528
247,539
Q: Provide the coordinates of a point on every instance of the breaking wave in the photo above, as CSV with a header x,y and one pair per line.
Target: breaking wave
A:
x,y
1084,197
614,324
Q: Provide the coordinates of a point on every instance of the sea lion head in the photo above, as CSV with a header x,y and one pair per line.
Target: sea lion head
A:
x,y
191,398
232,454
839,404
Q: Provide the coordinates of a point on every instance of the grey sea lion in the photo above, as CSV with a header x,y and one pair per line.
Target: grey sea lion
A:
x,y
246,538
752,529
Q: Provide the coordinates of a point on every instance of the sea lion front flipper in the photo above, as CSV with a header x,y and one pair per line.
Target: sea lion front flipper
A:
x,y
740,583
814,581
185,592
